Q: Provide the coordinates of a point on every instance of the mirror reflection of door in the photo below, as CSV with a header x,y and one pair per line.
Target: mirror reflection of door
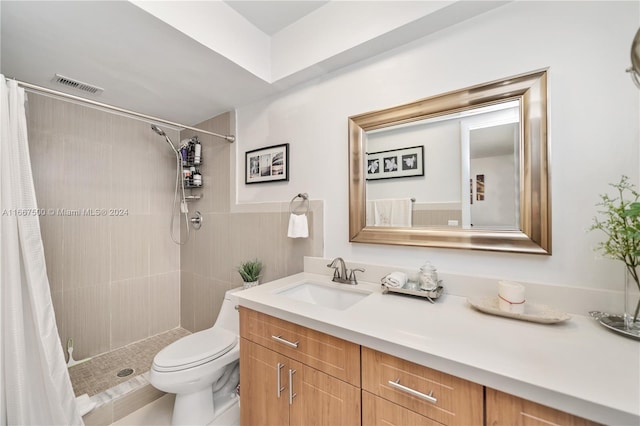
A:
x,y
493,172
490,143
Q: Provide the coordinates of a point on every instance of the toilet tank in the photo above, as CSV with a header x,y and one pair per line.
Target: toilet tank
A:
x,y
229,317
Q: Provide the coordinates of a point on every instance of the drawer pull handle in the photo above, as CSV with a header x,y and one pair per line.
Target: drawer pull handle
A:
x,y
280,387
292,394
286,342
396,384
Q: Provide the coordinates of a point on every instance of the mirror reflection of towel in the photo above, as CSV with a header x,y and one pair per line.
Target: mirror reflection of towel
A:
x,y
391,212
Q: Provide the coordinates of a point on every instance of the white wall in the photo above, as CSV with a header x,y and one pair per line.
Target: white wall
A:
x,y
593,127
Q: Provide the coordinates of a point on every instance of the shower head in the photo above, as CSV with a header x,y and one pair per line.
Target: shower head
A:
x,y
161,132
158,130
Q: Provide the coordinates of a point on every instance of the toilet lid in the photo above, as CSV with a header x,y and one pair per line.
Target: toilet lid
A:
x,y
195,349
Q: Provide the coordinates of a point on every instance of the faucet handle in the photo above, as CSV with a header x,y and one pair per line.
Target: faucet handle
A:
x,y
352,275
336,274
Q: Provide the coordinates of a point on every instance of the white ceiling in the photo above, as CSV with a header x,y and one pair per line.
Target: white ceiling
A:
x,y
272,16
166,59
492,141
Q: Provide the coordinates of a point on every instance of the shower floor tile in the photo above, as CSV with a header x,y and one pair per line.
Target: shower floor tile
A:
x,y
101,372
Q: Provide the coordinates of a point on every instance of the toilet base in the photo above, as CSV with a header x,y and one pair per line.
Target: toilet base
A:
x,y
205,408
194,408
227,413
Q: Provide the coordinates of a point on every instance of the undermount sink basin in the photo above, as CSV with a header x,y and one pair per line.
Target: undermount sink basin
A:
x,y
324,295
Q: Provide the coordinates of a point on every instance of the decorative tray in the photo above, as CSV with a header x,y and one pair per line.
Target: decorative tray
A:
x,y
430,295
615,323
535,313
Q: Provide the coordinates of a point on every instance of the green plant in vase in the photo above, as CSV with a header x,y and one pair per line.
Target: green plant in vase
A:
x,y
619,218
250,272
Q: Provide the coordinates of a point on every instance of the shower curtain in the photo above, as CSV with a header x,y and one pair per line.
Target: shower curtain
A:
x,y
36,389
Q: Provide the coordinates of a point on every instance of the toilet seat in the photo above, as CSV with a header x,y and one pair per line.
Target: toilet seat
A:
x,y
195,349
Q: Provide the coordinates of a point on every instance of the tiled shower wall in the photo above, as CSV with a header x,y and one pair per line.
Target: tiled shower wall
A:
x,y
115,279
210,258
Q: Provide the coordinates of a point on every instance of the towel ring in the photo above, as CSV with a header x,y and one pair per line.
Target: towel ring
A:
x,y
305,197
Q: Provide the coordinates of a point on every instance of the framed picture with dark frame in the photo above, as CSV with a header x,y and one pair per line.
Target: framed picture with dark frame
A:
x,y
395,163
480,187
269,164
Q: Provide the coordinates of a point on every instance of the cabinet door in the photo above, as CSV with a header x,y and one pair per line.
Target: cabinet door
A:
x,y
322,400
380,412
259,372
509,410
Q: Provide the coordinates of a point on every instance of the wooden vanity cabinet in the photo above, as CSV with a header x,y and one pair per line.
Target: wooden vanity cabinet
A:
x,y
395,391
509,410
291,375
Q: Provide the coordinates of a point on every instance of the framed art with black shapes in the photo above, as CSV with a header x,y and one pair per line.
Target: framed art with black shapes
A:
x,y
395,163
268,164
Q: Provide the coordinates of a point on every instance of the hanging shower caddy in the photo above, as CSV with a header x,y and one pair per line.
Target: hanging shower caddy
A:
x,y
191,153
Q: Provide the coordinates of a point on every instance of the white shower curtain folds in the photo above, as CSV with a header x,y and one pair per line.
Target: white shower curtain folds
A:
x,y
36,389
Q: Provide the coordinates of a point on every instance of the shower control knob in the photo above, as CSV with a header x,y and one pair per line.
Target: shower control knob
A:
x,y
196,220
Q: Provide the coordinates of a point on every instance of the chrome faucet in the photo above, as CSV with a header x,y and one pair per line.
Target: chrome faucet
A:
x,y
341,274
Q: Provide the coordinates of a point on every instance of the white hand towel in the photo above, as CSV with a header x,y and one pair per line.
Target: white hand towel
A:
x,y
298,226
395,279
84,404
382,212
392,212
370,213
401,212
511,297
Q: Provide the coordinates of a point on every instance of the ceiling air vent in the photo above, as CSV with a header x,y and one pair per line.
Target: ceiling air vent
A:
x,y
78,85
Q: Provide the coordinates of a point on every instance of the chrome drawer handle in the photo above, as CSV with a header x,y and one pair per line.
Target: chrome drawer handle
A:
x,y
280,387
413,392
292,394
286,342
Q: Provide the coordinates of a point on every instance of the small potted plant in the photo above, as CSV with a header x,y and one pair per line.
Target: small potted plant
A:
x,y
250,272
619,219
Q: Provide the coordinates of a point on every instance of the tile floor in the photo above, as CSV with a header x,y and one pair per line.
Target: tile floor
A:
x,y
98,378
101,373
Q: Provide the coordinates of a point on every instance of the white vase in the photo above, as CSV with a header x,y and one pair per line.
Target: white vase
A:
x,y
247,285
631,301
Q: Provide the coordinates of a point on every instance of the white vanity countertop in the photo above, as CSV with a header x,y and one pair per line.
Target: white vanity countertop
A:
x,y
576,366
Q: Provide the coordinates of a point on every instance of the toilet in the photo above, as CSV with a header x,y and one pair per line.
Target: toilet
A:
x,y
202,369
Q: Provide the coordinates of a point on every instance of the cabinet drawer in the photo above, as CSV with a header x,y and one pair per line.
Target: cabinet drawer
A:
x,y
380,412
439,396
509,410
336,357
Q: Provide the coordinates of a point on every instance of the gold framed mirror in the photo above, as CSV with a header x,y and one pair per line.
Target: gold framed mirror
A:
x,y
528,225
